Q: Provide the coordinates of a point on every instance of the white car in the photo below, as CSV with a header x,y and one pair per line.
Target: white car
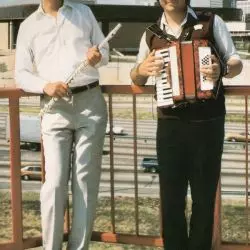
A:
x,y
31,173
237,137
117,130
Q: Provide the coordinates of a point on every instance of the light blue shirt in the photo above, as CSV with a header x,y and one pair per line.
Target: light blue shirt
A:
x,y
49,49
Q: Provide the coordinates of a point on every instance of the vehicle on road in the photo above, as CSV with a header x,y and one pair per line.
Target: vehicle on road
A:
x,y
237,137
117,130
31,173
30,131
150,165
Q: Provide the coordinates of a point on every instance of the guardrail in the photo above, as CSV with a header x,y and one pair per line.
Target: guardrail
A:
x,y
18,243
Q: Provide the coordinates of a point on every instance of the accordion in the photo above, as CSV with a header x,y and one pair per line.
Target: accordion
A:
x,y
180,79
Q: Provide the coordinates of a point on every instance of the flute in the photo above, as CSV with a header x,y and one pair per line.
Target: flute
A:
x,y
80,68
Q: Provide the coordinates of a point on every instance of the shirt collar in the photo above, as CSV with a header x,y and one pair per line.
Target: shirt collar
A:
x,y
66,3
190,11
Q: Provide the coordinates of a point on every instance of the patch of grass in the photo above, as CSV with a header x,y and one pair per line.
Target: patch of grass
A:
x,y
234,219
241,118
25,109
3,67
5,217
141,114
125,215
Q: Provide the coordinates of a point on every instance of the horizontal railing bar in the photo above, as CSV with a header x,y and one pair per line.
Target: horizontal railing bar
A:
x,y
36,241
128,239
32,242
8,246
124,89
233,246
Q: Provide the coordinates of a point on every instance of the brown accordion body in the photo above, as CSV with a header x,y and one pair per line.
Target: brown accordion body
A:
x,y
182,63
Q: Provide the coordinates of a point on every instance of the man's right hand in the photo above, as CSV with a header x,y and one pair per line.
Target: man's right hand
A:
x,y
56,89
151,65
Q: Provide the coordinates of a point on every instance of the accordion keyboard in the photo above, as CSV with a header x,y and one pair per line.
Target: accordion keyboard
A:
x,y
164,91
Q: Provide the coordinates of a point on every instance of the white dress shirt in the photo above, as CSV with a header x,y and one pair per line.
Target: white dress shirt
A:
x,y
49,49
221,35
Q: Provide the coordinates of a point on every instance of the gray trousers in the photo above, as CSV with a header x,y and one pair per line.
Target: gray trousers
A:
x,y
81,124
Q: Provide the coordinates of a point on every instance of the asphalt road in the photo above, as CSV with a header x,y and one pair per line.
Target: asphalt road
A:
x,y
233,160
233,165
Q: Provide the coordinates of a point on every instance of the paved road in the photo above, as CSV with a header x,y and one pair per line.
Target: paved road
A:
x,y
233,167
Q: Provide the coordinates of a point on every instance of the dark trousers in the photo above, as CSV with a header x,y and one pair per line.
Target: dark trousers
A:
x,y
189,152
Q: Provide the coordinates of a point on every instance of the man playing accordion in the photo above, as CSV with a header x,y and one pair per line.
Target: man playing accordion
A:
x,y
190,130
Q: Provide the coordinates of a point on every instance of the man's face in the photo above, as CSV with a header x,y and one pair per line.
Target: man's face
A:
x,y
173,5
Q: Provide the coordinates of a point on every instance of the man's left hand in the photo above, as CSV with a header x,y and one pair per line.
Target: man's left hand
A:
x,y
94,56
212,72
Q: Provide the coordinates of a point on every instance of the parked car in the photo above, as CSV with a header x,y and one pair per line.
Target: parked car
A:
x,y
237,137
150,165
117,130
31,173
30,132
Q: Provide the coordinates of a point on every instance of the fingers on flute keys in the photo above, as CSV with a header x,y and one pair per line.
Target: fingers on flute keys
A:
x,y
94,56
56,89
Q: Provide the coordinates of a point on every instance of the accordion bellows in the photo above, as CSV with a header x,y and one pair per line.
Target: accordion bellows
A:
x,y
180,79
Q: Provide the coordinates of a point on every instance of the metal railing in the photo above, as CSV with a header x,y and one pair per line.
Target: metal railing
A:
x,y
111,236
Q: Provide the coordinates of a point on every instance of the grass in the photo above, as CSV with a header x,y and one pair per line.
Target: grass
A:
x,y
3,67
141,114
234,222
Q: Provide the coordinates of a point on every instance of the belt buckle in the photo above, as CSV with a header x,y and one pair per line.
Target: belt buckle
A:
x,y
88,86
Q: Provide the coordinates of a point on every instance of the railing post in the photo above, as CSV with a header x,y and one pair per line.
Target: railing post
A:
x,y
217,220
247,170
135,166
15,175
112,171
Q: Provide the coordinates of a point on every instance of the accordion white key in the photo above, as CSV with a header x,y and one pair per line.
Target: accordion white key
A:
x,y
180,79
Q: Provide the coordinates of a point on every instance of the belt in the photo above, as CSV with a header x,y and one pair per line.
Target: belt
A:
x,y
84,87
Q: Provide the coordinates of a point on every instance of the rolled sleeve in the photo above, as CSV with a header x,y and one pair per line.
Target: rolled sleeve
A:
x,y
24,70
97,38
143,50
224,40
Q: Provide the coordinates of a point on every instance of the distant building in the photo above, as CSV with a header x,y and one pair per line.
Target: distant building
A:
x,y
229,3
245,6
127,2
207,3
134,18
22,2
7,41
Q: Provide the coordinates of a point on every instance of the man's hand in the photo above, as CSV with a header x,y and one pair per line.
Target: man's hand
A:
x,y
56,89
94,56
151,66
213,71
